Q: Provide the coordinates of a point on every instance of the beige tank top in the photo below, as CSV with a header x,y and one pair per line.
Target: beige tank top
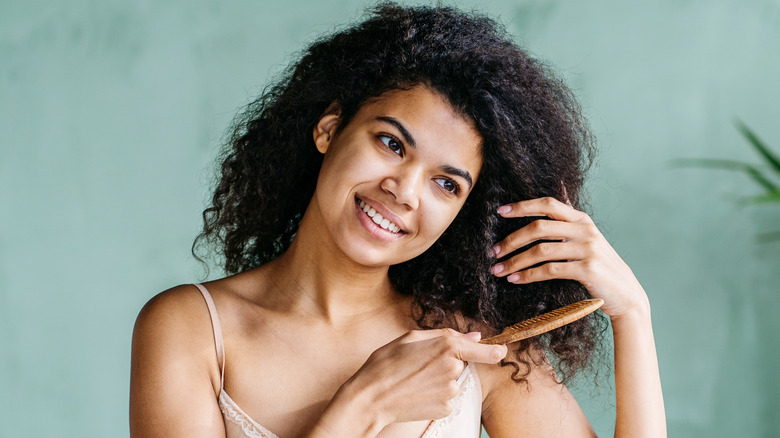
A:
x,y
463,422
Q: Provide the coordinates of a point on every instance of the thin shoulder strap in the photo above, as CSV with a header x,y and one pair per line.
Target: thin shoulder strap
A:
x,y
217,332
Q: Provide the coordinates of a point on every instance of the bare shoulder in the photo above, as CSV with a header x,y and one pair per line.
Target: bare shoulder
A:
x,y
539,406
179,314
175,326
174,377
172,304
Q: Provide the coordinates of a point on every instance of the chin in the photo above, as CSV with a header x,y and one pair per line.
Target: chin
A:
x,y
370,258
376,257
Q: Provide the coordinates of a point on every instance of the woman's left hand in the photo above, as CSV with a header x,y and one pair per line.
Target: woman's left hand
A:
x,y
578,252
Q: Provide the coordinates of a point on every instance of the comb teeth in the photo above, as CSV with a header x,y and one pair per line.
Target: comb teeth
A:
x,y
545,322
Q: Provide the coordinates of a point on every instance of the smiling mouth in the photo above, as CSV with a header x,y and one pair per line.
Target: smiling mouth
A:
x,y
377,217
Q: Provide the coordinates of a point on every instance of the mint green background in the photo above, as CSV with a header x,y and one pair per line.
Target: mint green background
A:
x,y
111,113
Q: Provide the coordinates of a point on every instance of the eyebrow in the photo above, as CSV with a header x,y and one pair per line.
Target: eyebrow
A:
x,y
410,141
398,125
459,172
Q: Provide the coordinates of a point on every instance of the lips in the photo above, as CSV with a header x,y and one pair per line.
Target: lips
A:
x,y
378,218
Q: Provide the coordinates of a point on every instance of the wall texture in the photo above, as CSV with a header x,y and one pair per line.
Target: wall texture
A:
x,y
111,113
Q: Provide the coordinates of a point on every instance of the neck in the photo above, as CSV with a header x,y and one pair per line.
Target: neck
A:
x,y
314,278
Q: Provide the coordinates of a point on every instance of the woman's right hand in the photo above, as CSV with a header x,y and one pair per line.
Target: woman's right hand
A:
x,y
411,378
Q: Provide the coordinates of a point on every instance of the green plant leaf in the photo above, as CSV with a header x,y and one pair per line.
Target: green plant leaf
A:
x,y
762,175
759,146
761,199
768,237
751,170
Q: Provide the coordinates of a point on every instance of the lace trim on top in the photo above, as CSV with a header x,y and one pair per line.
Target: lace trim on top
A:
x,y
467,385
234,413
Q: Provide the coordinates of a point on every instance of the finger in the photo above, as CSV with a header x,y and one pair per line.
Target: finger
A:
x,y
424,335
541,253
474,352
538,230
548,206
473,336
550,271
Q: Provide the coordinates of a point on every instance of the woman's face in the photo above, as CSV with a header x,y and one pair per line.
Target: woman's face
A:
x,y
395,177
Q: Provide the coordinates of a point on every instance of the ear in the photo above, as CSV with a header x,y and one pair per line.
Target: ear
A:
x,y
325,129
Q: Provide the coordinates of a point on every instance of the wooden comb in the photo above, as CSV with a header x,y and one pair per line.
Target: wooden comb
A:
x,y
545,322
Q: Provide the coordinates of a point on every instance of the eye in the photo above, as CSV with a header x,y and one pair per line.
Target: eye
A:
x,y
448,185
392,143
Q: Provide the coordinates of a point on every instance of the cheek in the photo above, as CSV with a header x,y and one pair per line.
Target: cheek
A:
x,y
438,216
344,167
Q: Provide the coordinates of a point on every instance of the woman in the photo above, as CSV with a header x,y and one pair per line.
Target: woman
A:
x,y
359,207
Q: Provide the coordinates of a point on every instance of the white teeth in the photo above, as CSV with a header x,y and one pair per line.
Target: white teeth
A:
x,y
377,217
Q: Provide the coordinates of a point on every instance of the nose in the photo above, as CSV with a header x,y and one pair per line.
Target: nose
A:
x,y
405,186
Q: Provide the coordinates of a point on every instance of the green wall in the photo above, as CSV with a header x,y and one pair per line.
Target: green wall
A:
x,y
112,111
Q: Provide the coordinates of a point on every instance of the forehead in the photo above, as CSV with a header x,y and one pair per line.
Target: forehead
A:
x,y
419,103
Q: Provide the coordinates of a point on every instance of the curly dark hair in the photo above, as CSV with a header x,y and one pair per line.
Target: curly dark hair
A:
x,y
535,143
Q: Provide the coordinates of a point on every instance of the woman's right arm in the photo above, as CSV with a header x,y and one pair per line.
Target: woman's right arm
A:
x,y
174,369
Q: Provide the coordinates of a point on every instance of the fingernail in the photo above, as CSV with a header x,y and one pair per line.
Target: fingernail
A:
x,y
497,269
474,336
504,209
499,352
497,250
512,278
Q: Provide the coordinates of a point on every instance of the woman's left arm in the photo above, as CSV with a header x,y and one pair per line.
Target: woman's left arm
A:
x,y
578,251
